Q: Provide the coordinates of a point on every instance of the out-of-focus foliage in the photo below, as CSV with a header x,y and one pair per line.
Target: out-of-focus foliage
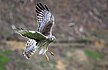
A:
x,y
4,58
94,55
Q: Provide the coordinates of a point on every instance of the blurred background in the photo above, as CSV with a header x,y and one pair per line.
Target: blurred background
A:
x,y
81,29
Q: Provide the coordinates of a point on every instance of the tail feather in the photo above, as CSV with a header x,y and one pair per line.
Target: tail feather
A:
x,y
30,49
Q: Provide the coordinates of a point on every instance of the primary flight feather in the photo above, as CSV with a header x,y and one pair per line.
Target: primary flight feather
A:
x,y
45,19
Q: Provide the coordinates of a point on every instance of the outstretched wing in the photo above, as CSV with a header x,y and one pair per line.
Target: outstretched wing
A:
x,y
33,35
29,34
45,19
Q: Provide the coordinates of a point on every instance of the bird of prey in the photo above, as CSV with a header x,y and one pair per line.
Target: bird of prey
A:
x,y
40,39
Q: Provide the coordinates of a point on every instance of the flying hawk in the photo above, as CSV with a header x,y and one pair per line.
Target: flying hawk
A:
x,y
40,39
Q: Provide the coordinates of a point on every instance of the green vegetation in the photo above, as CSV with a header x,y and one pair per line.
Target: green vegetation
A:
x,y
4,58
94,55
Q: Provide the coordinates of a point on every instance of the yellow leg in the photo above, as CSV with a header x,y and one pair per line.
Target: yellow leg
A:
x,y
46,57
51,52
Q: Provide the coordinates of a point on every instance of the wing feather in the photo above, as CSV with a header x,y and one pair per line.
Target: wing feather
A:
x,y
45,19
32,35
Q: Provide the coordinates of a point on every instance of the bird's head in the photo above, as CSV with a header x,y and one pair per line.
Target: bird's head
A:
x,y
51,38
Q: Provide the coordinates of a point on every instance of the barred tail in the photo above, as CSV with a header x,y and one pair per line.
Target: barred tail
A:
x,y
30,49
